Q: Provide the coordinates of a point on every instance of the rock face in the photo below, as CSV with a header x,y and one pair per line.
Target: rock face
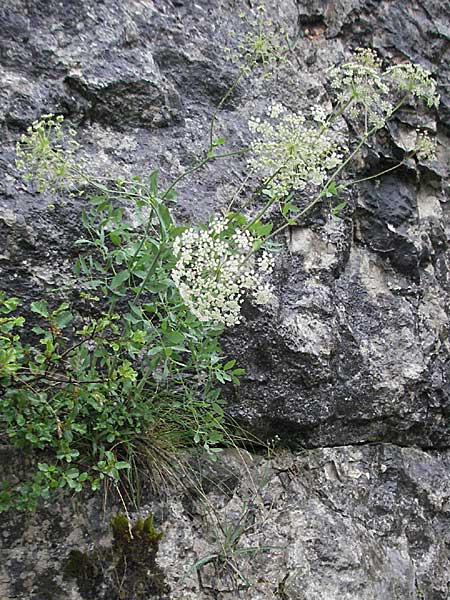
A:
x,y
368,522
354,353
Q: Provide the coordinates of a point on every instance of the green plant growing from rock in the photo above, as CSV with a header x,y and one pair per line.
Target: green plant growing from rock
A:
x,y
131,370
128,568
230,549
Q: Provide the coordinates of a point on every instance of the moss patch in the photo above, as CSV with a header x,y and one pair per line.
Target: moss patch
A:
x,y
126,571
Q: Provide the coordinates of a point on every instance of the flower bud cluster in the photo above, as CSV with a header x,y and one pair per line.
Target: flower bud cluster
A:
x,y
416,80
425,147
216,270
262,45
361,87
45,154
299,152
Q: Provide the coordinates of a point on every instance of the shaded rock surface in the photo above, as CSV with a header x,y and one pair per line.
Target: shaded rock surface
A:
x,y
356,348
367,522
354,351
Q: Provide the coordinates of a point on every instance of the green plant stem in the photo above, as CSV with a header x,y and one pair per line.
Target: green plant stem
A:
x,y
256,194
183,175
221,103
238,191
149,273
350,183
339,169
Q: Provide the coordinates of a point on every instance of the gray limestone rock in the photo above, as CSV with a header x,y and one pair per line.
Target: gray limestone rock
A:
x,y
351,357
356,347
353,522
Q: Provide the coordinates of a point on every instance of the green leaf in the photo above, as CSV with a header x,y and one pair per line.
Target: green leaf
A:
x,y
257,245
119,279
331,190
40,307
115,238
165,219
62,307
335,211
72,473
122,465
229,364
63,319
174,338
202,561
154,350
7,306
218,141
153,182
260,229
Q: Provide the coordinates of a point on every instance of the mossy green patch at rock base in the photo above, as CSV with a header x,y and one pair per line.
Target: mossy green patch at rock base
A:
x,y
127,570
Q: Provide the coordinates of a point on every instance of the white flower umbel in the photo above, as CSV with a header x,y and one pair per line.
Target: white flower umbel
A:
x,y
414,79
365,89
425,147
361,87
261,45
299,152
216,270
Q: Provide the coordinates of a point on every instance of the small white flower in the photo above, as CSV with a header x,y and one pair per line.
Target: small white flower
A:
x,y
425,147
263,295
215,271
299,153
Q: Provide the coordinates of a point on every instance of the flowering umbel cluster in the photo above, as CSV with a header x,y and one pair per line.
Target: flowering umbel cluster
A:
x,y
361,88
292,152
216,270
365,89
45,154
425,148
414,79
262,44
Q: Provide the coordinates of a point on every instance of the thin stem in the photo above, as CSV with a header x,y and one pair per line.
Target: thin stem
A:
x,y
221,103
238,191
256,193
102,188
348,184
227,154
149,272
192,169
335,116
319,197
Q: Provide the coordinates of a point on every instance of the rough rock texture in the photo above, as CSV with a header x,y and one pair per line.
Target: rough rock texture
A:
x,y
349,523
354,351
357,347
